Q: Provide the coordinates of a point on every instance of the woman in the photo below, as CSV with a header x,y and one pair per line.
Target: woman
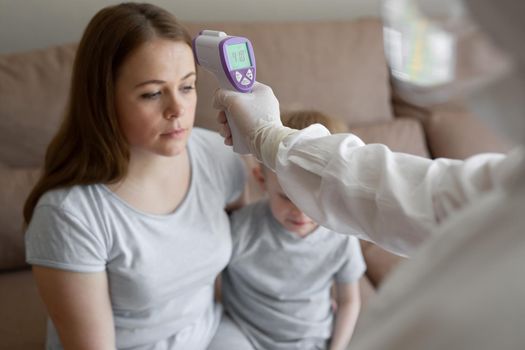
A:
x,y
126,228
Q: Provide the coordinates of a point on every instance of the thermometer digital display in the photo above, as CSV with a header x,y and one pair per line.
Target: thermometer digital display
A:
x,y
238,56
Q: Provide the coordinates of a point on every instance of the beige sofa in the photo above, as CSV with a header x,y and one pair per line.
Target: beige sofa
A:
x,y
336,67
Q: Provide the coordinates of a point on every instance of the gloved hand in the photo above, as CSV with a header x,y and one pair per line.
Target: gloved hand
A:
x,y
257,117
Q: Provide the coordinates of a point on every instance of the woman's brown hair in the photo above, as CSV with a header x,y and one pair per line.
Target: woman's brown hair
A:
x,y
89,147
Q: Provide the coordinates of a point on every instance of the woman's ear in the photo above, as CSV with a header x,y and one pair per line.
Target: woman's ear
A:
x,y
258,174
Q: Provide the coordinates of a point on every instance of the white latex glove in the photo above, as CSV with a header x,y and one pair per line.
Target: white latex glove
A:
x,y
257,118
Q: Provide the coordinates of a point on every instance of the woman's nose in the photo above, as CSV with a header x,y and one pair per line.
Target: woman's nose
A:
x,y
174,108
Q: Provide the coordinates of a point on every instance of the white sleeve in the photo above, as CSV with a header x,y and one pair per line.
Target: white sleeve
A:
x,y
392,199
56,238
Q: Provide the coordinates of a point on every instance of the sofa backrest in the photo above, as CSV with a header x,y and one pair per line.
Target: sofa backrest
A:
x,y
336,67
33,93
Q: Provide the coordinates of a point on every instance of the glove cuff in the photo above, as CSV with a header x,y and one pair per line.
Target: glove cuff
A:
x,y
266,140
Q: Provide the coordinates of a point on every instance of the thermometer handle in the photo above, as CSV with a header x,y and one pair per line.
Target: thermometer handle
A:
x,y
239,146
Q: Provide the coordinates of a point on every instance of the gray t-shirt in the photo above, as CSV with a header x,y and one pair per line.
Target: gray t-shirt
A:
x,y
277,284
161,268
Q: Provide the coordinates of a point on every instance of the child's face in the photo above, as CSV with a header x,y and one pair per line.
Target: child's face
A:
x,y
284,211
155,97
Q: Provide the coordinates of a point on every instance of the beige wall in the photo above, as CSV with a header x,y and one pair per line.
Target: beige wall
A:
x,y
28,24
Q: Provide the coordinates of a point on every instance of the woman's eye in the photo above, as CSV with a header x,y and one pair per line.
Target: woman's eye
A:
x,y
188,88
151,95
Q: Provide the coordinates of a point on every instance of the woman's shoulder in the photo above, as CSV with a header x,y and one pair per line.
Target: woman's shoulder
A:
x,y
58,196
71,199
208,143
216,161
205,138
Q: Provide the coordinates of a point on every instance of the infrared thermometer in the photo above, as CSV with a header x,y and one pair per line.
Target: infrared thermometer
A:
x,y
231,60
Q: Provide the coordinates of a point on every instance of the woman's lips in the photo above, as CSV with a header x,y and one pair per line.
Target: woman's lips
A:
x,y
175,133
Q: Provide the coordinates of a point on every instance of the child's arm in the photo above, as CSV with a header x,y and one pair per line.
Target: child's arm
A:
x,y
348,306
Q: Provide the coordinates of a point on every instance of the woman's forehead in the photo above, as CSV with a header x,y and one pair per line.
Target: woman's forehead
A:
x,y
158,59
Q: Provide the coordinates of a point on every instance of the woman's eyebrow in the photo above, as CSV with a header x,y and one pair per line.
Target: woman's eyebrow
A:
x,y
153,81
188,75
157,81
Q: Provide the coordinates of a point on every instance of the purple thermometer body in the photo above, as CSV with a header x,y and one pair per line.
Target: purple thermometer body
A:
x,y
232,61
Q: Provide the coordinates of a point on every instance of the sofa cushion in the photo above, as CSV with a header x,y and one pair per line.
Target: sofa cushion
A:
x,y
336,67
379,262
33,92
459,134
400,135
15,184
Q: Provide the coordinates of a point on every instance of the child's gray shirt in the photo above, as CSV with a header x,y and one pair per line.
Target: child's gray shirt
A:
x,y
277,284
161,268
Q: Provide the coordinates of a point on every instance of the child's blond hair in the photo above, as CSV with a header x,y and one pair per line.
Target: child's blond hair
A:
x,y
301,119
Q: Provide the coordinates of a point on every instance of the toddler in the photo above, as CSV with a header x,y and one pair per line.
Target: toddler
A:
x,y
277,286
